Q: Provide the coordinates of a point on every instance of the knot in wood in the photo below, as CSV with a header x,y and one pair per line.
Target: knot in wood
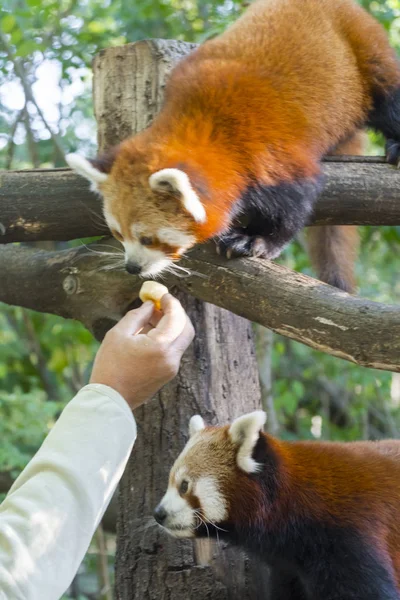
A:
x,y
70,285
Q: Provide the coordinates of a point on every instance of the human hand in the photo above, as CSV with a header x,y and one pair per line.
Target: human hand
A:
x,y
143,351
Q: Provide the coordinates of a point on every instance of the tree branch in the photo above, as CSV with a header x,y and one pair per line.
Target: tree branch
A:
x,y
20,72
73,284
57,204
26,331
41,207
30,139
11,143
70,283
264,339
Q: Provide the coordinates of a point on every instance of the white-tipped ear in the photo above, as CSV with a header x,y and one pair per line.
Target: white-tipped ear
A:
x,y
245,432
83,167
196,424
175,180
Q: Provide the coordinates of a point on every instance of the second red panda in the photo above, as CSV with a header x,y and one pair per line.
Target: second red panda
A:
x,y
324,516
235,153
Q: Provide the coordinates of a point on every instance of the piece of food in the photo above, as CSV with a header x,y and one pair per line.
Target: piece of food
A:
x,y
151,290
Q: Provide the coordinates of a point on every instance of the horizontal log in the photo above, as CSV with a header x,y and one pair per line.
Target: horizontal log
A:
x,y
77,284
299,307
57,204
74,283
48,204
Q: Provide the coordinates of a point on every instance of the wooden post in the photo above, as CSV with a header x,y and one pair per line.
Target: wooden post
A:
x,y
218,379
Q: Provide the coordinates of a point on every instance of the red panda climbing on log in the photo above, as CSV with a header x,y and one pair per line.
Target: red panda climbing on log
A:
x,y
324,516
235,153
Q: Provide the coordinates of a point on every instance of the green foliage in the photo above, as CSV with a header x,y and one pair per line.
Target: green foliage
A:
x,y
66,34
25,419
44,359
39,350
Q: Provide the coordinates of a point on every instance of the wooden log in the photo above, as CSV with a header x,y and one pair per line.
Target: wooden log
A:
x,y
73,283
56,204
218,378
49,204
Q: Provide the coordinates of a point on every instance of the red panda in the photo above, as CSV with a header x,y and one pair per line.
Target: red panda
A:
x,y
324,516
235,153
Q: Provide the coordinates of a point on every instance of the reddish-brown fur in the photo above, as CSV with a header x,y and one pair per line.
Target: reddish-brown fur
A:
x,y
333,249
350,485
265,101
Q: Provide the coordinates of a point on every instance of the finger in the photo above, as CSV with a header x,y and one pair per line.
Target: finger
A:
x,y
172,322
136,319
184,340
146,329
156,317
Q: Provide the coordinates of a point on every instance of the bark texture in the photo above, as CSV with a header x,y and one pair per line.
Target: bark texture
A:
x,y
70,283
48,204
56,204
218,378
74,284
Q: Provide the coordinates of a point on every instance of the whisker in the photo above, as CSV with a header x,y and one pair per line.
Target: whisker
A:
x,y
118,249
113,267
216,526
105,253
211,522
97,218
93,251
191,271
197,514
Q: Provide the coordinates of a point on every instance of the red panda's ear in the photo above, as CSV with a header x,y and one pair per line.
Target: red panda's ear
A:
x,y
104,162
244,432
96,170
85,168
196,424
177,181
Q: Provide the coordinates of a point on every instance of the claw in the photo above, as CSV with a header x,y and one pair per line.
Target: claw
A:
x,y
218,249
229,254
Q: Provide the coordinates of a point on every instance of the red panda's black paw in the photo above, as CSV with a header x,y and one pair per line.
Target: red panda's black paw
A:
x,y
393,152
236,244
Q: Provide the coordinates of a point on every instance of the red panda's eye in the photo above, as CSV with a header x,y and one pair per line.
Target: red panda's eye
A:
x,y
183,488
117,235
146,241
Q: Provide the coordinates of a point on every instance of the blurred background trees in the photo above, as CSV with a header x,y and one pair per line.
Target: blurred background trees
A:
x,y
46,49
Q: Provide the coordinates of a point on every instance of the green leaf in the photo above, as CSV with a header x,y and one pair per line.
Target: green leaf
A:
x,y
26,48
16,36
96,27
8,23
298,389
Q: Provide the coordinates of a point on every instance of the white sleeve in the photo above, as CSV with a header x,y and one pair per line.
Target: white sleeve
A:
x,y
52,510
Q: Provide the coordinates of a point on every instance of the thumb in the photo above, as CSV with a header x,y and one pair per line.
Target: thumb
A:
x,y
135,320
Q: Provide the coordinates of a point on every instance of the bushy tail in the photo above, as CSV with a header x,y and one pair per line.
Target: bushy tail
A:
x,y
333,248
333,251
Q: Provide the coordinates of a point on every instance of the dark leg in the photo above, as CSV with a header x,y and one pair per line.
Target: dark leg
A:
x,y
360,588
270,217
352,576
385,117
284,585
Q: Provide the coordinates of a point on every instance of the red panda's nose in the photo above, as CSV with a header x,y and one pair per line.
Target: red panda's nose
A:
x,y
133,268
160,514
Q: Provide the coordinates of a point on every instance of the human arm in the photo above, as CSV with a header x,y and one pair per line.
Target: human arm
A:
x,y
54,507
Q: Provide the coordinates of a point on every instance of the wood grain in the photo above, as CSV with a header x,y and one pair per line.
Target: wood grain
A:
x,y
56,204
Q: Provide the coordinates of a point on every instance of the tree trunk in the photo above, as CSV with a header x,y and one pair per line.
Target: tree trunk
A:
x,y
218,379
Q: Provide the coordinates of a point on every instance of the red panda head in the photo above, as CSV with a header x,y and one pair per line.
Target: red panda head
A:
x,y
212,483
150,206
